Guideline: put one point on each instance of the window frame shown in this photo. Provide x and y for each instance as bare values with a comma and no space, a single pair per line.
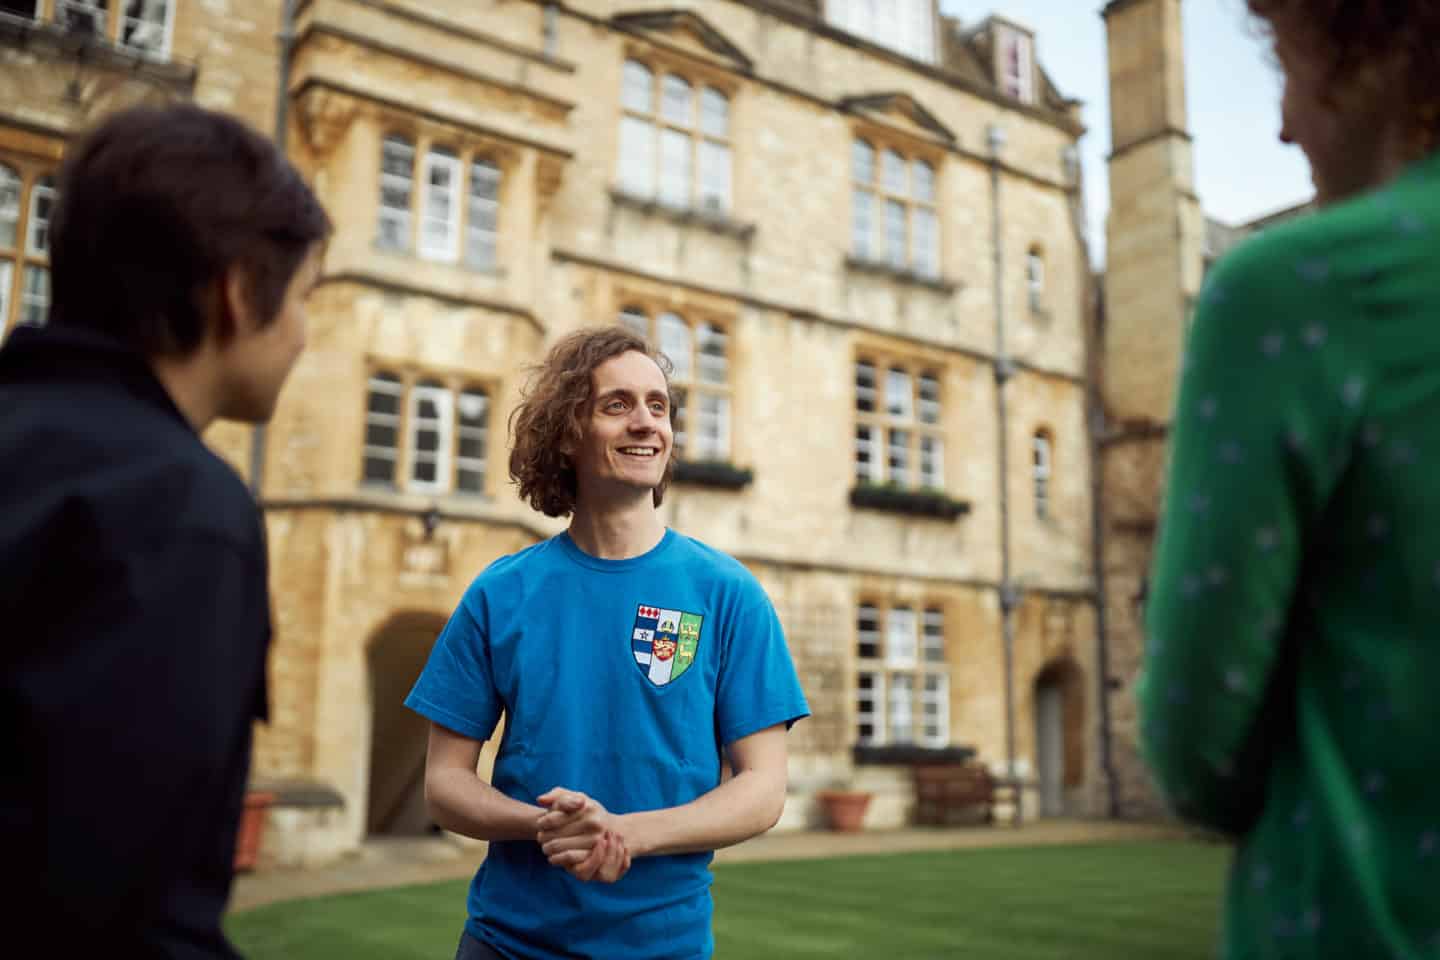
411,385
651,187
465,162
443,424
1035,276
1042,443
110,22
1019,82
394,385
28,261
29,301
867,19
479,466
922,256
922,419
35,15
405,218
101,24
878,705
489,233
168,28
440,157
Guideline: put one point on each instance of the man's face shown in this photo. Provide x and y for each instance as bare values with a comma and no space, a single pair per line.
258,359
627,436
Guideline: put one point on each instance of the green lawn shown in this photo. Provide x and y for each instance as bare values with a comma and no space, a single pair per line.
1131,901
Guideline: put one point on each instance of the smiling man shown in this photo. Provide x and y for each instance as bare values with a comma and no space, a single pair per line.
626,659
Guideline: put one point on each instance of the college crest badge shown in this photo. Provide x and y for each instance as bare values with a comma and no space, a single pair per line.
664,642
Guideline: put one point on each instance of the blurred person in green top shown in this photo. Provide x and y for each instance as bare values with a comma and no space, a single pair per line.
1290,696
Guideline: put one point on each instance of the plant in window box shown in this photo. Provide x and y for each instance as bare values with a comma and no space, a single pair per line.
923,501
713,473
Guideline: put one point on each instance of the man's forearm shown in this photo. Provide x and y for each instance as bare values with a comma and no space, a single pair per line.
462,803
743,807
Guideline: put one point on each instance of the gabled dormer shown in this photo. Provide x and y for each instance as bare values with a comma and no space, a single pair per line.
899,112
1007,50
687,31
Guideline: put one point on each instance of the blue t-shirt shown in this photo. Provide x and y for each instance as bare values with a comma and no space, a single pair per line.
622,679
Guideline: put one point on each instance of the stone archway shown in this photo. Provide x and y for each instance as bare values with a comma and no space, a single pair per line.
398,735
1059,707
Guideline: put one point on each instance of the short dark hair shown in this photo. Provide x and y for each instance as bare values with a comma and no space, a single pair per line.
154,205
551,411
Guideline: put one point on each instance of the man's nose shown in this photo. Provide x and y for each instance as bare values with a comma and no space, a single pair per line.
643,420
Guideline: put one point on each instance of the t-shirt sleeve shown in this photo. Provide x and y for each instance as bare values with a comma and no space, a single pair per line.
758,687
457,687
1261,433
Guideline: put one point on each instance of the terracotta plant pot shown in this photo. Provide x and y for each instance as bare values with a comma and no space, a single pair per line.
252,829
844,809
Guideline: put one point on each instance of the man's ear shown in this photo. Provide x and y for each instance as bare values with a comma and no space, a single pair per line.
237,303
213,304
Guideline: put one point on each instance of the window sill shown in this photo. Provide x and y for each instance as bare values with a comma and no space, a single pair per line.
713,473
497,272
684,216
899,274
54,38
911,755
922,503
431,497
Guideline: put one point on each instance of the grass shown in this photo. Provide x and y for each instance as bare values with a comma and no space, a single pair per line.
1132,901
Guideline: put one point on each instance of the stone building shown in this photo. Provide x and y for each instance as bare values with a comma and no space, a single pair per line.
859,241
857,230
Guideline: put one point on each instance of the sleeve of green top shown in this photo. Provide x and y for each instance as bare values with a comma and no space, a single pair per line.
1259,438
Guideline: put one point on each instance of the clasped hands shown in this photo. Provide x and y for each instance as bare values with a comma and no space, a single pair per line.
577,834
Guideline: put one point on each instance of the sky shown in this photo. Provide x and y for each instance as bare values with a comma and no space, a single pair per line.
1232,89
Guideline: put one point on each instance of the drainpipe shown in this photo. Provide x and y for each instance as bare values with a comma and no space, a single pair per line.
286,38
1093,311
1096,420
1004,370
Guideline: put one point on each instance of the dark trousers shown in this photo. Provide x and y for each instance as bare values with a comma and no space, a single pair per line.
472,949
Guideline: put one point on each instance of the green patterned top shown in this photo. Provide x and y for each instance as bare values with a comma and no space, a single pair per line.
1291,691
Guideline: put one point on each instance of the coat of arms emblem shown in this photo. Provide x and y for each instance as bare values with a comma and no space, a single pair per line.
664,642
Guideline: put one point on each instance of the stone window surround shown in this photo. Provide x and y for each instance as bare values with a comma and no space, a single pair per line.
411,376
1042,469
920,667
912,150
117,17
699,74
653,306
469,149
1035,277
881,422
22,259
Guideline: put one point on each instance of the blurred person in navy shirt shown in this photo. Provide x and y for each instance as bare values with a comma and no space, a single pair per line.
133,587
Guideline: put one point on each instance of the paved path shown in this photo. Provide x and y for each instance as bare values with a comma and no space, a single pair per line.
395,863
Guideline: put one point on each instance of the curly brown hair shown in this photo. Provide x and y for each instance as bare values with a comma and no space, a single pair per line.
1350,34
550,416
